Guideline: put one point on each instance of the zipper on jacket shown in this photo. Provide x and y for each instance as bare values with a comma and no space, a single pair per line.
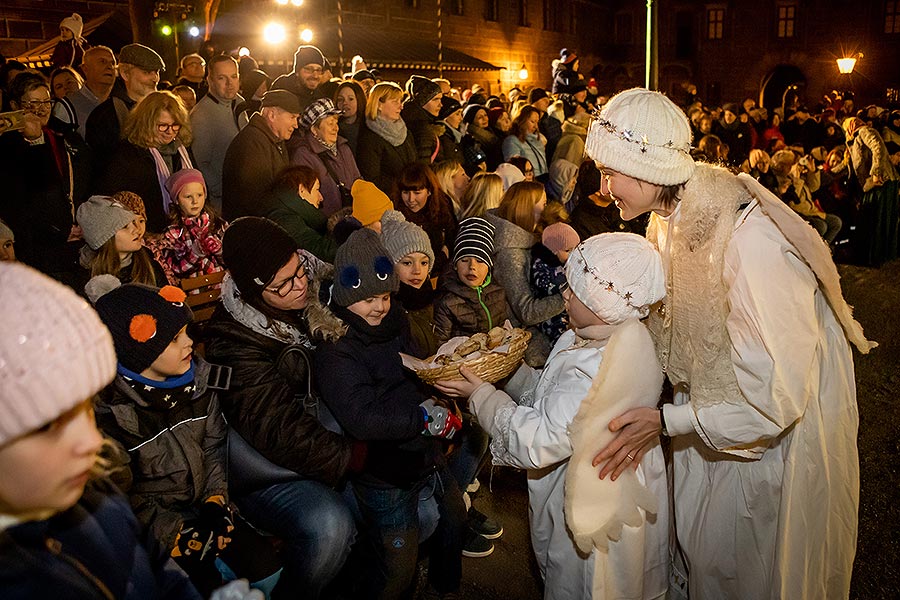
55,548
487,280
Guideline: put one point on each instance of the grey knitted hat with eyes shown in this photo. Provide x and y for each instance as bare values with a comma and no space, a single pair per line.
400,237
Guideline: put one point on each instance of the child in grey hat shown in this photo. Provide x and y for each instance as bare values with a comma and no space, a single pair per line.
373,398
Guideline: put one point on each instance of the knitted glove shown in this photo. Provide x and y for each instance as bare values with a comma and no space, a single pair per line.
193,545
439,421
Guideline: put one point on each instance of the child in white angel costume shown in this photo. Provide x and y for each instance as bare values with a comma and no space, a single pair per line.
593,538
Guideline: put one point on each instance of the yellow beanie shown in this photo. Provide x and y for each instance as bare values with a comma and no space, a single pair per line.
369,202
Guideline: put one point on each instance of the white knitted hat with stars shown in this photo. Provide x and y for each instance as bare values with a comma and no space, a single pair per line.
616,275
642,134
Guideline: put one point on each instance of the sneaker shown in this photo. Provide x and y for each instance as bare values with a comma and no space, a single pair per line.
475,545
474,486
484,525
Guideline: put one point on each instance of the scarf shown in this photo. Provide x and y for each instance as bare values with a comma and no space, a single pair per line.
164,170
329,147
693,344
389,328
161,395
456,133
483,136
414,299
254,320
394,132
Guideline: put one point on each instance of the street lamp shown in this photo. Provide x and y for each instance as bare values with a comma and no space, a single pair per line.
523,73
306,35
847,64
274,33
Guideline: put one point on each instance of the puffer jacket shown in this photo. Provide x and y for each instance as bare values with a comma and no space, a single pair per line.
270,382
425,130
92,551
177,456
464,310
512,271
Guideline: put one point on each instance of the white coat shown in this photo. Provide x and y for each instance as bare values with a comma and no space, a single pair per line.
782,523
533,435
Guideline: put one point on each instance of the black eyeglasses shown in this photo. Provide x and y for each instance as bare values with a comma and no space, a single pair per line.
287,286
165,127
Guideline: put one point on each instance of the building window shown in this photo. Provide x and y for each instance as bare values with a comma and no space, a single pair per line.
892,17
523,13
715,23
623,28
411,3
786,17
457,7
551,16
492,10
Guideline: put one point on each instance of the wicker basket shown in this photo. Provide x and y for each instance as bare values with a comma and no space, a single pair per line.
490,367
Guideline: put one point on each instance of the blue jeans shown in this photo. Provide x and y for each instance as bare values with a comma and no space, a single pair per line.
390,517
317,528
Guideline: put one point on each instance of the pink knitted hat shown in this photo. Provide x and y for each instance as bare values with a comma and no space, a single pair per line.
54,351
179,179
559,236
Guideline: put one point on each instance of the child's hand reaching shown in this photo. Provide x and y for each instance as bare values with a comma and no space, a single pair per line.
460,388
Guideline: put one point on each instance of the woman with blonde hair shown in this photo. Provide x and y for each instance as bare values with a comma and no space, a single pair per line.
385,145
157,133
483,194
515,222
454,181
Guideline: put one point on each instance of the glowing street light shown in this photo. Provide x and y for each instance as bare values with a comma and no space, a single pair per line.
523,73
274,33
166,30
243,51
194,31
306,35
297,2
281,2
847,64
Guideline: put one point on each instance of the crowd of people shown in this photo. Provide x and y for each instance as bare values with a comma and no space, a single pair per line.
356,219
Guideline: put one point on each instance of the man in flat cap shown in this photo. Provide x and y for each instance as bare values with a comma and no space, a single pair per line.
257,154
139,68
304,80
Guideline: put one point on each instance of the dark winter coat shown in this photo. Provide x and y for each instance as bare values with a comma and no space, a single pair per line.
419,306
464,310
132,169
103,128
35,201
265,401
83,275
380,162
449,148
425,130
177,456
548,277
310,152
305,223
253,160
91,551
589,219
370,393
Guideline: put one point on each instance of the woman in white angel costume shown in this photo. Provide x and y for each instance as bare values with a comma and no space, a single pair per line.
754,335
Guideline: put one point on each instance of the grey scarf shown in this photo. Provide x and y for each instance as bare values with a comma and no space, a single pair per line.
394,132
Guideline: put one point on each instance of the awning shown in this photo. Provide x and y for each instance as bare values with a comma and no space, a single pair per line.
388,50
39,56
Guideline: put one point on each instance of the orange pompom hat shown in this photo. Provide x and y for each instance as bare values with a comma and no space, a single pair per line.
143,320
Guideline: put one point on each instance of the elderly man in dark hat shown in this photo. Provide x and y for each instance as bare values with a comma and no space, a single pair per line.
139,68
304,80
257,154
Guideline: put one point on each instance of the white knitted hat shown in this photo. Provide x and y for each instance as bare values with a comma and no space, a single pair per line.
74,23
642,134
54,351
616,275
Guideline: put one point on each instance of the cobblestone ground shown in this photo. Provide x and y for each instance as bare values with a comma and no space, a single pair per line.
510,572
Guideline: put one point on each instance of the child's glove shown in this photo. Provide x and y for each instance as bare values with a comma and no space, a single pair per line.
439,421
216,518
193,545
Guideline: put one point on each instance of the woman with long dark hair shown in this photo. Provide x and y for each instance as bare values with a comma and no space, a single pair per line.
422,202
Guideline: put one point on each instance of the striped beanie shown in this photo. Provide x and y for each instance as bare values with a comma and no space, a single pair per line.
475,238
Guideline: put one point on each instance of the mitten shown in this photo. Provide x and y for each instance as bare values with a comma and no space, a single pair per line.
439,421
193,545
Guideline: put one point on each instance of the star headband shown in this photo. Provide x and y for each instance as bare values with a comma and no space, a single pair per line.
635,138
609,286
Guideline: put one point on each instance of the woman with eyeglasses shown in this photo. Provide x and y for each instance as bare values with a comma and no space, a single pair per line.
264,330
157,134
38,180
